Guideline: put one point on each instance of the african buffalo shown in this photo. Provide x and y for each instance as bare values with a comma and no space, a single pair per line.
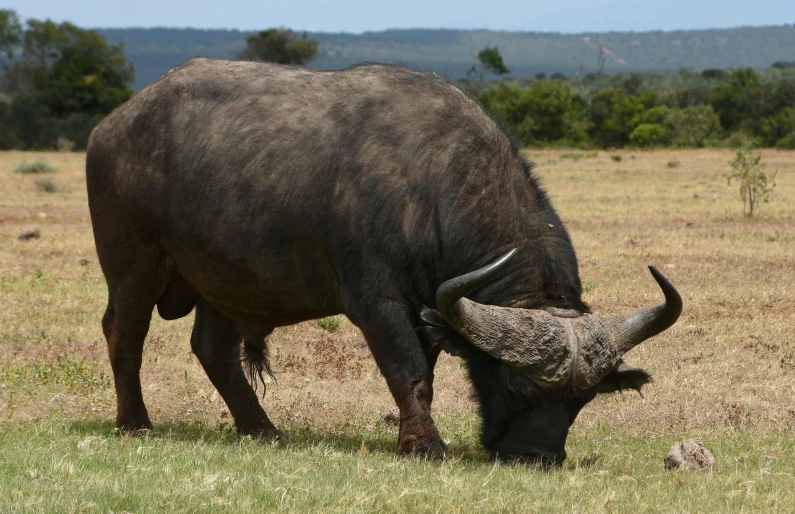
265,195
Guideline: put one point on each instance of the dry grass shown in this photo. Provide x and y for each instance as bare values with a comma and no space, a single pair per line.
728,365
730,360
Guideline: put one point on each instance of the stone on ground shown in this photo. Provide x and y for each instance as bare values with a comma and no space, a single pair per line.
690,454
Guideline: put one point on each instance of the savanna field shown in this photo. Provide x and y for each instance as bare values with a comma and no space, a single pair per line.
724,373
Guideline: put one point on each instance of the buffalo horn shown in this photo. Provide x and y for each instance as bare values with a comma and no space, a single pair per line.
629,330
552,346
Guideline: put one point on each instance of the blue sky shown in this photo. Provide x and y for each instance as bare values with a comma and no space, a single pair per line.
363,15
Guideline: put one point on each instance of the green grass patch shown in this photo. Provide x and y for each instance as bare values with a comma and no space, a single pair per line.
81,465
330,323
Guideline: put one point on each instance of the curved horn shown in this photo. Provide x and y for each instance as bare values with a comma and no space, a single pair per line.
456,288
629,330
552,347
528,339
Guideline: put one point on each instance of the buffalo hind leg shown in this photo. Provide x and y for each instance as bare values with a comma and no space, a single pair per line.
216,342
390,334
125,325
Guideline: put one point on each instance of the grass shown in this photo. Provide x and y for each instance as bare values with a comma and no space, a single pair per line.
724,373
81,466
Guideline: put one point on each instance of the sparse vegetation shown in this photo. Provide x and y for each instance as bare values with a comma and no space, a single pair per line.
34,167
615,158
47,185
755,184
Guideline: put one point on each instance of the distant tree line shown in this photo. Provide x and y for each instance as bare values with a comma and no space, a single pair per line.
58,81
714,108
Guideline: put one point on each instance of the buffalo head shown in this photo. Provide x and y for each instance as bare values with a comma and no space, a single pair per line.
534,370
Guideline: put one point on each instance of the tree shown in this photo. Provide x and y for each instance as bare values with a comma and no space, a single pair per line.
10,31
489,59
738,101
692,126
66,80
543,111
615,115
282,46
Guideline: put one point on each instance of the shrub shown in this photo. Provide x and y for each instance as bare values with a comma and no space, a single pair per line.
673,163
777,126
330,323
65,145
34,167
647,134
755,184
616,158
47,185
692,126
543,111
787,142
740,139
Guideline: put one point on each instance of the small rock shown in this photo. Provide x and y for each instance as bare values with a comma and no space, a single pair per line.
29,233
391,418
83,262
690,454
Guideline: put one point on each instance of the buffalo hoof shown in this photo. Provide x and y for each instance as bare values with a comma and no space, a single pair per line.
430,447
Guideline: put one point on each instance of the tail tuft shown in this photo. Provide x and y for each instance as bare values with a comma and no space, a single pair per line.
255,361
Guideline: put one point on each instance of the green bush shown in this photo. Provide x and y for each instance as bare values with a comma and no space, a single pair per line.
34,167
740,139
330,323
787,142
541,112
692,126
755,184
647,134
775,127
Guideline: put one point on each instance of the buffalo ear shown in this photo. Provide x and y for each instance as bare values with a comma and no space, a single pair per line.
623,377
439,335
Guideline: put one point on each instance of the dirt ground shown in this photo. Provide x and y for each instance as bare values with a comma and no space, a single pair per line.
728,363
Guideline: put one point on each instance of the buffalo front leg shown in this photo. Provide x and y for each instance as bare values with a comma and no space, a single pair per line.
216,342
390,334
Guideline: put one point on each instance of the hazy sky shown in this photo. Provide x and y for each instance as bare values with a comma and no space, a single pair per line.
363,15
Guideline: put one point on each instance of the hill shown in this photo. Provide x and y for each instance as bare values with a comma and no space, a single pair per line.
155,51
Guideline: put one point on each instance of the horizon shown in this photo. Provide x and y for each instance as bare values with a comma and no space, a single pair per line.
452,29
359,16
